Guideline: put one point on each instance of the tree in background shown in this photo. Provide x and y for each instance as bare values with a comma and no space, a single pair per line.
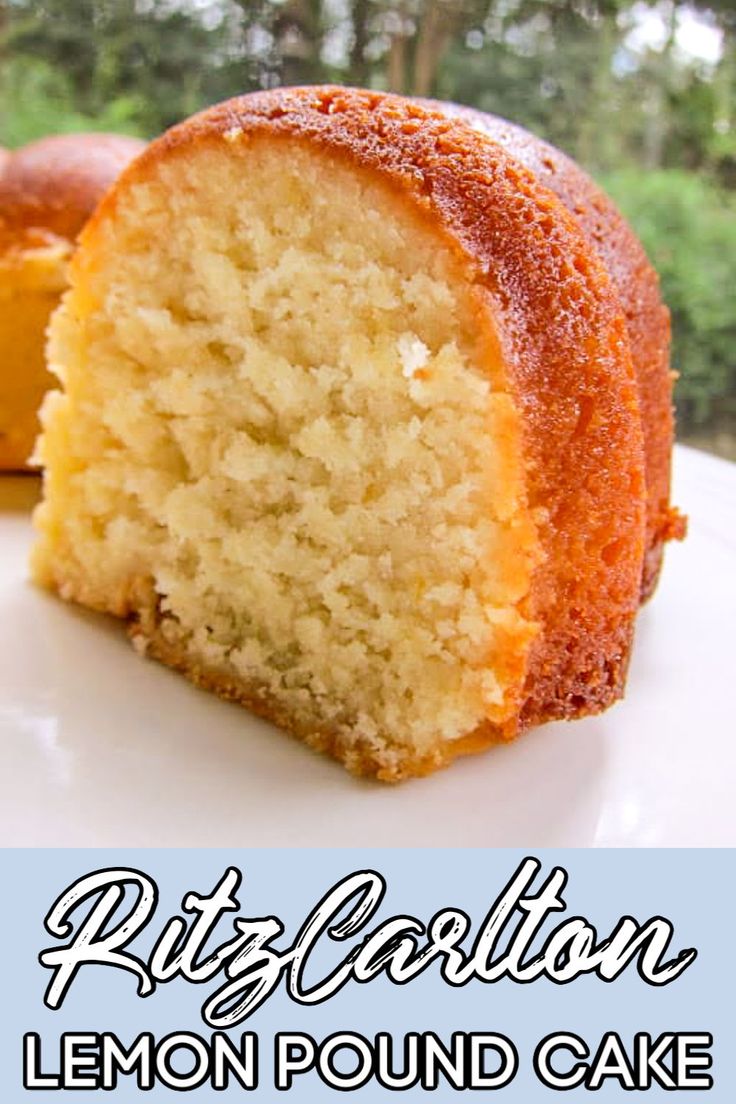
610,81
150,58
565,68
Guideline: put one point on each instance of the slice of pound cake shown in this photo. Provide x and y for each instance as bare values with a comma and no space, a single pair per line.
350,430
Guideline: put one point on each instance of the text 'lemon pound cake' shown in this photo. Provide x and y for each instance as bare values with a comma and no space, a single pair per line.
48,190
350,430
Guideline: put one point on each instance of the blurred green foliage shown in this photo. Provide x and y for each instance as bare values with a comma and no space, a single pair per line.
45,103
641,92
688,227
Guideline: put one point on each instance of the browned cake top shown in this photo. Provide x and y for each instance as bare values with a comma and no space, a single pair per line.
646,315
54,184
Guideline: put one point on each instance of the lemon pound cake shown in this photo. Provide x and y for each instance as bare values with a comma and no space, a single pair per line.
48,189
349,429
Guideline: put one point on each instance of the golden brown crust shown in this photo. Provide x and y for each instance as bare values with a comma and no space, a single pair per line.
55,184
565,346
647,317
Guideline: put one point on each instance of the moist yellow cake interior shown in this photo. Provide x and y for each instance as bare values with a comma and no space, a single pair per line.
285,449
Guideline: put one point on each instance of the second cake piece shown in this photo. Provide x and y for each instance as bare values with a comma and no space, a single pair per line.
48,190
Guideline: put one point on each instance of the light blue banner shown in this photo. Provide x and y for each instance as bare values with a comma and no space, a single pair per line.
418,964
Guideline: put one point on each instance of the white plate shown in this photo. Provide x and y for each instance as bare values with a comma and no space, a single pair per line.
99,747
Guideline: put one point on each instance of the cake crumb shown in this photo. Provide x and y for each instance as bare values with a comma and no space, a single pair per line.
140,644
413,354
